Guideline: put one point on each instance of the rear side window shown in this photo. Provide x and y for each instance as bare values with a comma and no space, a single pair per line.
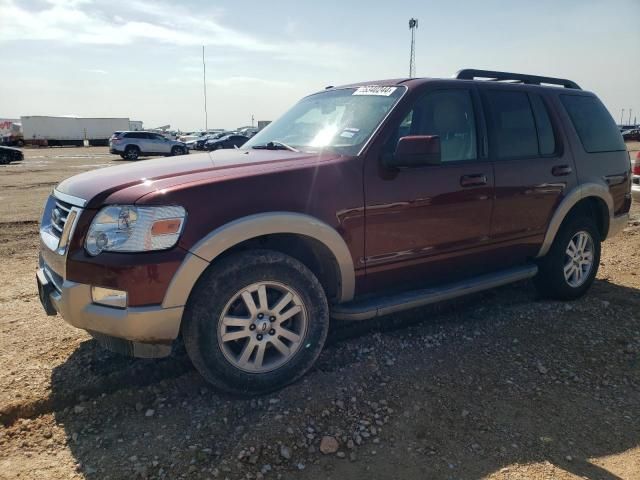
513,126
593,123
546,139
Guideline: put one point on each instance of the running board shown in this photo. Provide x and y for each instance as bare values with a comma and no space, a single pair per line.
379,306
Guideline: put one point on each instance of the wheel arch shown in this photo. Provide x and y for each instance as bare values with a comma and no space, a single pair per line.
592,198
310,240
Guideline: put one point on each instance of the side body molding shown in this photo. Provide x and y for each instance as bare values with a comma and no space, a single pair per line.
574,196
252,226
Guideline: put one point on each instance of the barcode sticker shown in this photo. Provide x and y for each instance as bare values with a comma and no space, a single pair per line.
375,90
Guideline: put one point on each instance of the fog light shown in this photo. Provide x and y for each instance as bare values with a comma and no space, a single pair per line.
109,297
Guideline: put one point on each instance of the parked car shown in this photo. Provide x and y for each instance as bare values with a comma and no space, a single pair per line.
631,135
201,142
187,137
228,141
635,178
360,201
248,131
132,145
8,155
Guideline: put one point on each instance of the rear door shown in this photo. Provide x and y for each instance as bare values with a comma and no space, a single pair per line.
158,144
533,168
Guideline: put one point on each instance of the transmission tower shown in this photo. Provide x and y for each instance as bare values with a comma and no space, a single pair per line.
413,24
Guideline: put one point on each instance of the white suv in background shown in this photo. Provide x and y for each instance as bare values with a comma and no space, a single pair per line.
132,145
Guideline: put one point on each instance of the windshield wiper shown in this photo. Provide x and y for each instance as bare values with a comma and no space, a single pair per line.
275,145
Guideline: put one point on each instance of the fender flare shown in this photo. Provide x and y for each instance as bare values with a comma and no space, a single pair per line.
225,237
570,200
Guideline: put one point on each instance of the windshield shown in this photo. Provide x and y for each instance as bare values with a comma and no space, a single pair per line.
340,119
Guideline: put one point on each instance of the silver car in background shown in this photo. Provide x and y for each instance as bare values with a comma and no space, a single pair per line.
132,145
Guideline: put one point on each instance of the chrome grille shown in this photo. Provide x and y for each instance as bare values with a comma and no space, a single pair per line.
59,216
58,222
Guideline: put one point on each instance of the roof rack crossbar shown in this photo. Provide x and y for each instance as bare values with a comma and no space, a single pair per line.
472,74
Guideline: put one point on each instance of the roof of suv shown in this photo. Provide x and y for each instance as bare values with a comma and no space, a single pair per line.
477,75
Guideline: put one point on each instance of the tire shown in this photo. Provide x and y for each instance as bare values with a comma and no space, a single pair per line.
551,281
20,143
122,156
175,151
219,293
131,152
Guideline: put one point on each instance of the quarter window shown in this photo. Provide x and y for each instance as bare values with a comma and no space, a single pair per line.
593,123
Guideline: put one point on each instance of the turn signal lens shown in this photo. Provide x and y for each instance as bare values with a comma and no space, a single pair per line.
169,226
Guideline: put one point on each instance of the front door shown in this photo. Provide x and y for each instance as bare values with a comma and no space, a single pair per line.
429,224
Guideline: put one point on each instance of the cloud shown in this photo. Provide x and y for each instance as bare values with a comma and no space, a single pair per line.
103,23
228,82
96,70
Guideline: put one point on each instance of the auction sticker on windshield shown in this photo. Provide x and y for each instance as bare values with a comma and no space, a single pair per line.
375,90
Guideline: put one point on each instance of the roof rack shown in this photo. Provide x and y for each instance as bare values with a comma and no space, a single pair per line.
472,74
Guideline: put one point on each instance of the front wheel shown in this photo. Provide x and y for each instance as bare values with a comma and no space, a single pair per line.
571,265
255,322
175,151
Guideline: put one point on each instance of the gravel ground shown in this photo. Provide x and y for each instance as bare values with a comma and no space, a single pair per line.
500,385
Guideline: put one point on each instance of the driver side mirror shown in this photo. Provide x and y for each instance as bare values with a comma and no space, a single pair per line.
417,151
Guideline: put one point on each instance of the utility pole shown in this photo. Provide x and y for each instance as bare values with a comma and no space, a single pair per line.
252,119
621,115
630,110
204,81
413,25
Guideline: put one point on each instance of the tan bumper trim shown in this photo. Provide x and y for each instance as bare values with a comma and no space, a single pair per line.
152,324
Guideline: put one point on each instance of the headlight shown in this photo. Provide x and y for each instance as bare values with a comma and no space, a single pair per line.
127,228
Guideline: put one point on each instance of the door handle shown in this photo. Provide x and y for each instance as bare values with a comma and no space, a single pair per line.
474,180
561,170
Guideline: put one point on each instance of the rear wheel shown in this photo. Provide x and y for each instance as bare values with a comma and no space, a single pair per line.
571,265
131,152
255,322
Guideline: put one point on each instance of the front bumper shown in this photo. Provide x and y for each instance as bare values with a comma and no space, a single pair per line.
147,331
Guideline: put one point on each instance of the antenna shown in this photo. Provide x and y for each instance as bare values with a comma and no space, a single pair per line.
413,24
204,81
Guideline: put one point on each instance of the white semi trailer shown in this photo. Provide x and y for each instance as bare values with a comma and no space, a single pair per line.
59,131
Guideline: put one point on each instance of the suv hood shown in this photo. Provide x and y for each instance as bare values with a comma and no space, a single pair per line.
128,183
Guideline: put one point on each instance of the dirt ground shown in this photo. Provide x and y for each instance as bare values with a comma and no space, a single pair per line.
501,385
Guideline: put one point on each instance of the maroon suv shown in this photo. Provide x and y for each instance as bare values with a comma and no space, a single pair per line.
360,201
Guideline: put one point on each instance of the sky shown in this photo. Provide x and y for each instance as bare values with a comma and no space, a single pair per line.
142,59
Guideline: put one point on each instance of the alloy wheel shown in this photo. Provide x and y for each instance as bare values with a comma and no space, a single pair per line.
262,327
579,257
